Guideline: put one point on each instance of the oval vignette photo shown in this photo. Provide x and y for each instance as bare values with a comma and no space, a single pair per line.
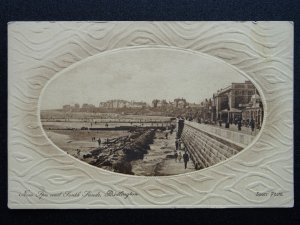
151,111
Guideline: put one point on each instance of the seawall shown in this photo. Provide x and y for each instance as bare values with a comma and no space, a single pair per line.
209,145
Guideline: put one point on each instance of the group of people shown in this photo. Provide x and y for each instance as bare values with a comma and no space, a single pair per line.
247,123
178,144
178,155
169,131
98,140
239,123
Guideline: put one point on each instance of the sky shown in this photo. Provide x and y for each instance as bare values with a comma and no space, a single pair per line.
140,75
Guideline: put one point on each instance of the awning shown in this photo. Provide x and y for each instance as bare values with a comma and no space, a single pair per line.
232,110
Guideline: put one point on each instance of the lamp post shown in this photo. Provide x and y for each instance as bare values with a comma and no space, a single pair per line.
210,113
228,111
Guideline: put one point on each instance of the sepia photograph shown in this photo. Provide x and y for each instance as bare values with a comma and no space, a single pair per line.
151,112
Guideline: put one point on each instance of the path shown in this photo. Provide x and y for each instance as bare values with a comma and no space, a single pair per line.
232,127
159,161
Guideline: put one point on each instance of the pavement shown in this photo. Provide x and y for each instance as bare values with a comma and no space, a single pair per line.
232,127
160,161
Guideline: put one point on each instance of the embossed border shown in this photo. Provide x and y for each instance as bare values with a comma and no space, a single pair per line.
153,192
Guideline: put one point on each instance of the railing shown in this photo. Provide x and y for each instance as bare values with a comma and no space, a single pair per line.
237,138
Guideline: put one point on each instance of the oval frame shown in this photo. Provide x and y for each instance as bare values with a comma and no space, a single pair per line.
114,51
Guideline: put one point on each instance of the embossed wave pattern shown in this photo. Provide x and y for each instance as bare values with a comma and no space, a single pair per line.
37,51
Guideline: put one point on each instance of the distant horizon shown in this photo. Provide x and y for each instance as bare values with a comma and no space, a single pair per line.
148,103
139,100
140,75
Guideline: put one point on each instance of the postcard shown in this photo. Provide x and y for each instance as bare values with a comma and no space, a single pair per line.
150,114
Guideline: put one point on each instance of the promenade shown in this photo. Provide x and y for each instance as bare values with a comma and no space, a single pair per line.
160,161
232,127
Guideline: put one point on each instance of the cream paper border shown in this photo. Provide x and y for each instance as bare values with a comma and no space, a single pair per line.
263,51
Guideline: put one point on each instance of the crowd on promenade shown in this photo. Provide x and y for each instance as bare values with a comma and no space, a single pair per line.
249,126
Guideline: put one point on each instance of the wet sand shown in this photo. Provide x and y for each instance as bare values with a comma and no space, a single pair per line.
70,141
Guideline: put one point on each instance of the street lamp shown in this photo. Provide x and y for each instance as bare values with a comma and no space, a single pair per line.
228,111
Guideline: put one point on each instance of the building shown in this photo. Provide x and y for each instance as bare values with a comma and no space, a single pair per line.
138,104
206,111
194,105
180,103
160,103
76,107
67,108
87,107
230,101
254,110
119,103
114,104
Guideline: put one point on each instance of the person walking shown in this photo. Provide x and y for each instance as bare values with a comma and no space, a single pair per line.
239,125
220,123
176,144
252,124
179,157
175,156
186,158
235,121
99,141
167,135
